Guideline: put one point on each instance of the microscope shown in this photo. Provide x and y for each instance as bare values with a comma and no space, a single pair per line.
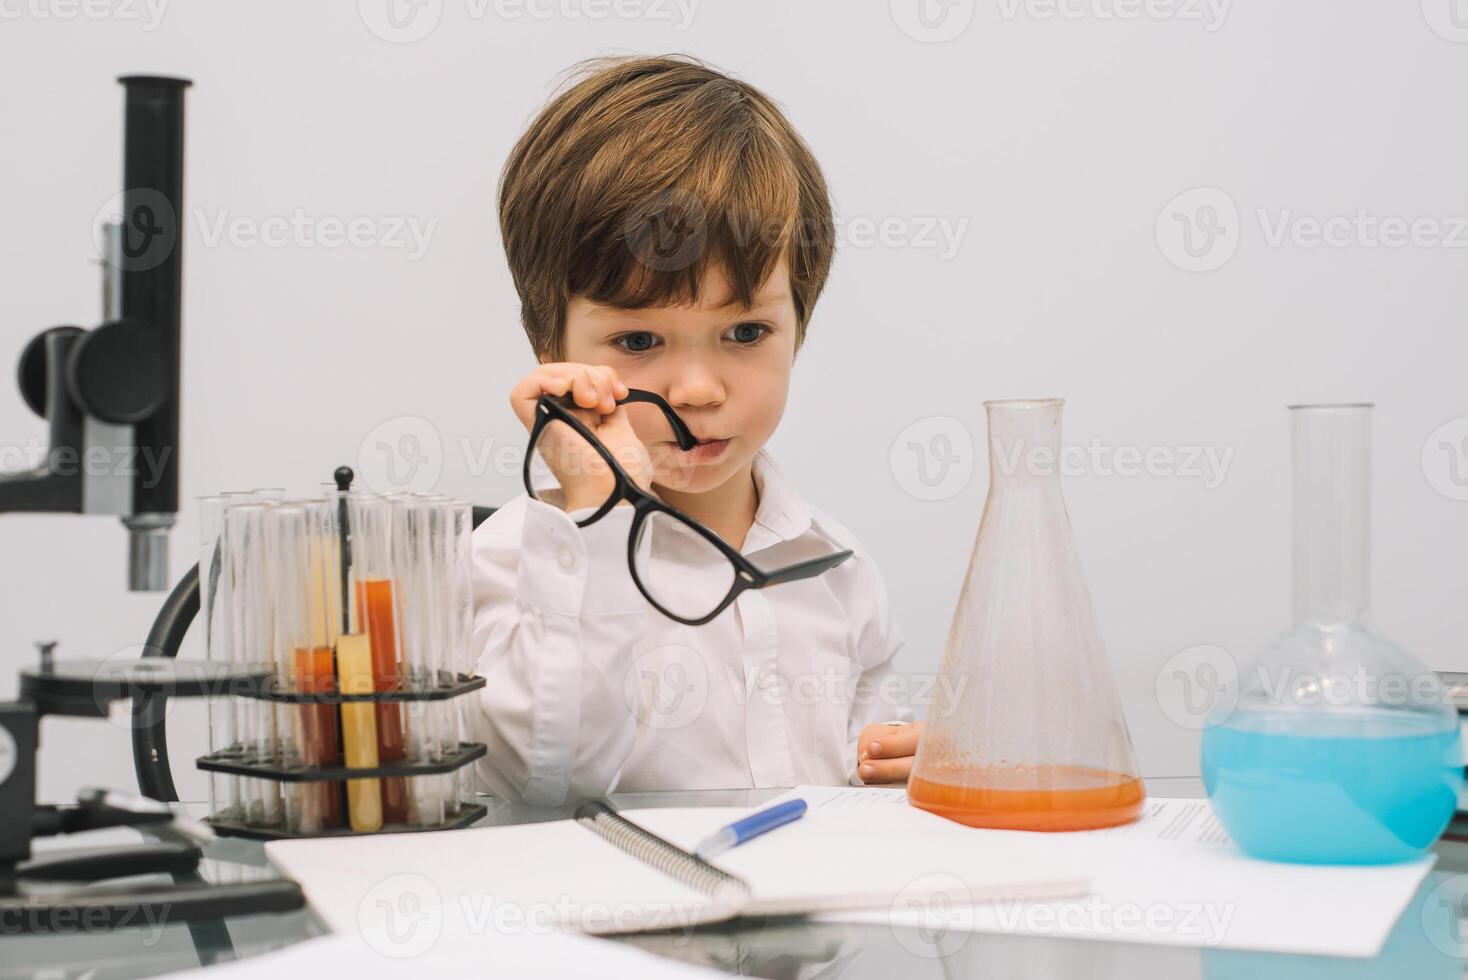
110,395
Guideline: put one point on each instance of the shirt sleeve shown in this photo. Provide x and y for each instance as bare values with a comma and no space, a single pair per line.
880,691
556,620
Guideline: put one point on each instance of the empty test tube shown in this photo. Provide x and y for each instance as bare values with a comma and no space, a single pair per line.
225,802
413,555
459,525
248,628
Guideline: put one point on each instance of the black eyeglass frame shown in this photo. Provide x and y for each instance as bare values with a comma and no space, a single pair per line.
747,575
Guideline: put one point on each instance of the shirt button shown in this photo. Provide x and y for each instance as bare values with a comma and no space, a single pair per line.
567,559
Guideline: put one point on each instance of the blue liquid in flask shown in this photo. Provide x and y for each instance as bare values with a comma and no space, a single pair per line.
1358,788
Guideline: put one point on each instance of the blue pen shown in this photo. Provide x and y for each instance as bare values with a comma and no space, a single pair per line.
751,826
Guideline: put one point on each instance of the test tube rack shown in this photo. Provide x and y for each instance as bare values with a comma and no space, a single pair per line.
236,760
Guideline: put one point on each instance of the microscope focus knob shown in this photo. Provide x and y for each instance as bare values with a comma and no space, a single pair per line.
32,371
119,372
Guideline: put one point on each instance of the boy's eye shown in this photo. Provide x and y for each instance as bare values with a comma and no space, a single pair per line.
636,343
749,333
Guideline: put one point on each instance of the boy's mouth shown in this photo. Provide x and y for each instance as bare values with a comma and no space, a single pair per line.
706,450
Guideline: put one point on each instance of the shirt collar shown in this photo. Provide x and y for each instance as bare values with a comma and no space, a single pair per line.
782,514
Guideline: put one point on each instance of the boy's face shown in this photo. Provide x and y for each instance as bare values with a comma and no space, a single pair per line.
725,371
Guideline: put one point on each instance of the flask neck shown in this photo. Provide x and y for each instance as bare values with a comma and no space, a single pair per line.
1024,444
1331,449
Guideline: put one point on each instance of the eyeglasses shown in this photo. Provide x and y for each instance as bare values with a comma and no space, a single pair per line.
684,569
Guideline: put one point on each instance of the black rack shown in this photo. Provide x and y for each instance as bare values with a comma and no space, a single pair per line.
236,759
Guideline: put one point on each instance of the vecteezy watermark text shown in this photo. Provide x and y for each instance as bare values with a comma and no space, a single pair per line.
300,229
148,12
1201,229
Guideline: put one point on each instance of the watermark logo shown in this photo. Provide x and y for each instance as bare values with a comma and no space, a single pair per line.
401,454
1443,912
1198,230
1203,686
1197,684
667,687
933,458
932,21
933,916
400,21
135,230
1445,458
401,916
128,670
667,230
1448,19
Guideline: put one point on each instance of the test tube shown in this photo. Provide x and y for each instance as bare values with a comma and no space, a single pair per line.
418,628
224,788
304,565
440,612
374,593
354,672
460,532
248,629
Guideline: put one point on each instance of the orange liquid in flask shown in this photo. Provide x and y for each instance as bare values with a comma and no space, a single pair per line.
1048,798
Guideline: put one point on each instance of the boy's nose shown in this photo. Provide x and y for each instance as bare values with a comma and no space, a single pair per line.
695,389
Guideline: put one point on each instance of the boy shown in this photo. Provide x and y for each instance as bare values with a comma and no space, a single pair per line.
668,230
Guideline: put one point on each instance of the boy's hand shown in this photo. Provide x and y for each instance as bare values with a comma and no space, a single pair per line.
884,753
580,470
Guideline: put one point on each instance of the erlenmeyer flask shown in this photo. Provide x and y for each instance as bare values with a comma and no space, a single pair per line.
1338,747
1027,732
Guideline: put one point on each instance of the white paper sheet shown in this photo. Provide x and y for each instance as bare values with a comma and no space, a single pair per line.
560,874
1174,877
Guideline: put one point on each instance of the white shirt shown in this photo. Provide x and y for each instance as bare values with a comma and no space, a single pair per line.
590,690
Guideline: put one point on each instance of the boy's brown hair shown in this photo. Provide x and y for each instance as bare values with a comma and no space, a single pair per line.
631,183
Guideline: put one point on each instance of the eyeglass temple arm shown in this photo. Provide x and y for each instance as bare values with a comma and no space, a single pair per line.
806,569
680,430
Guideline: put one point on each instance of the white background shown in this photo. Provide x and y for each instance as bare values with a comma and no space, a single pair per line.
1055,143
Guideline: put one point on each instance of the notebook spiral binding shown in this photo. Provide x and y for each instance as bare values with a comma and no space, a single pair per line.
657,852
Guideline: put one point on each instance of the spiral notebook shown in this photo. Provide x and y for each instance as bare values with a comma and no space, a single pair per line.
606,872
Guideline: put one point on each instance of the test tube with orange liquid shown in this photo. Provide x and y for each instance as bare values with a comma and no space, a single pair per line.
305,555
374,593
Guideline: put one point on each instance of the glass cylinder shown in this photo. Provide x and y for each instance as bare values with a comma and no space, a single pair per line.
462,532
375,594
305,566
1336,746
1027,731
249,630
417,550
225,800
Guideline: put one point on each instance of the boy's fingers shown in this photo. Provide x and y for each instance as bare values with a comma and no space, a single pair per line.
885,770
891,742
